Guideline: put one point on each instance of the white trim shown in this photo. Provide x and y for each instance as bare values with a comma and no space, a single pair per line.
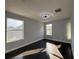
22,45
33,42
60,41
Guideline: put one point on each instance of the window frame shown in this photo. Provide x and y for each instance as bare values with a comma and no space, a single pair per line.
49,29
68,30
13,30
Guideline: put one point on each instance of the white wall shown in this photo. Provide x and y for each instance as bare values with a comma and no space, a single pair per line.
33,31
59,30
72,29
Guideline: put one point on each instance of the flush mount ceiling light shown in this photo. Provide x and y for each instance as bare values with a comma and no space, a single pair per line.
46,15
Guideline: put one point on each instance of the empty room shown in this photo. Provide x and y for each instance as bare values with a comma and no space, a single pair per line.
39,29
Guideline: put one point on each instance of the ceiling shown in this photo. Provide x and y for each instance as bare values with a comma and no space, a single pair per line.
33,8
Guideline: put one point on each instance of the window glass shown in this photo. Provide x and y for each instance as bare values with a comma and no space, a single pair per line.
68,30
48,29
15,30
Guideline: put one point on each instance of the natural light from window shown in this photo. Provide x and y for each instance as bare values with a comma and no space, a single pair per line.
68,30
15,30
53,51
48,29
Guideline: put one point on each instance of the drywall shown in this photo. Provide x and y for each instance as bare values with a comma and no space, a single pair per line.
72,29
33,31
58,30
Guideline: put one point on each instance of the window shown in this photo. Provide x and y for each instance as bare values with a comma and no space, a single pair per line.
15,30
69,30
48,29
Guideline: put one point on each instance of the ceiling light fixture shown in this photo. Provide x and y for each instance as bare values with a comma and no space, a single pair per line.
46,15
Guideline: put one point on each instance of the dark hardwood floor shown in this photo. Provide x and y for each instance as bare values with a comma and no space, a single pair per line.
36,51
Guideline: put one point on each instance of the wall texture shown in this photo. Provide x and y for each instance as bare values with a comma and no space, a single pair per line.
72,28
33,31
58,30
